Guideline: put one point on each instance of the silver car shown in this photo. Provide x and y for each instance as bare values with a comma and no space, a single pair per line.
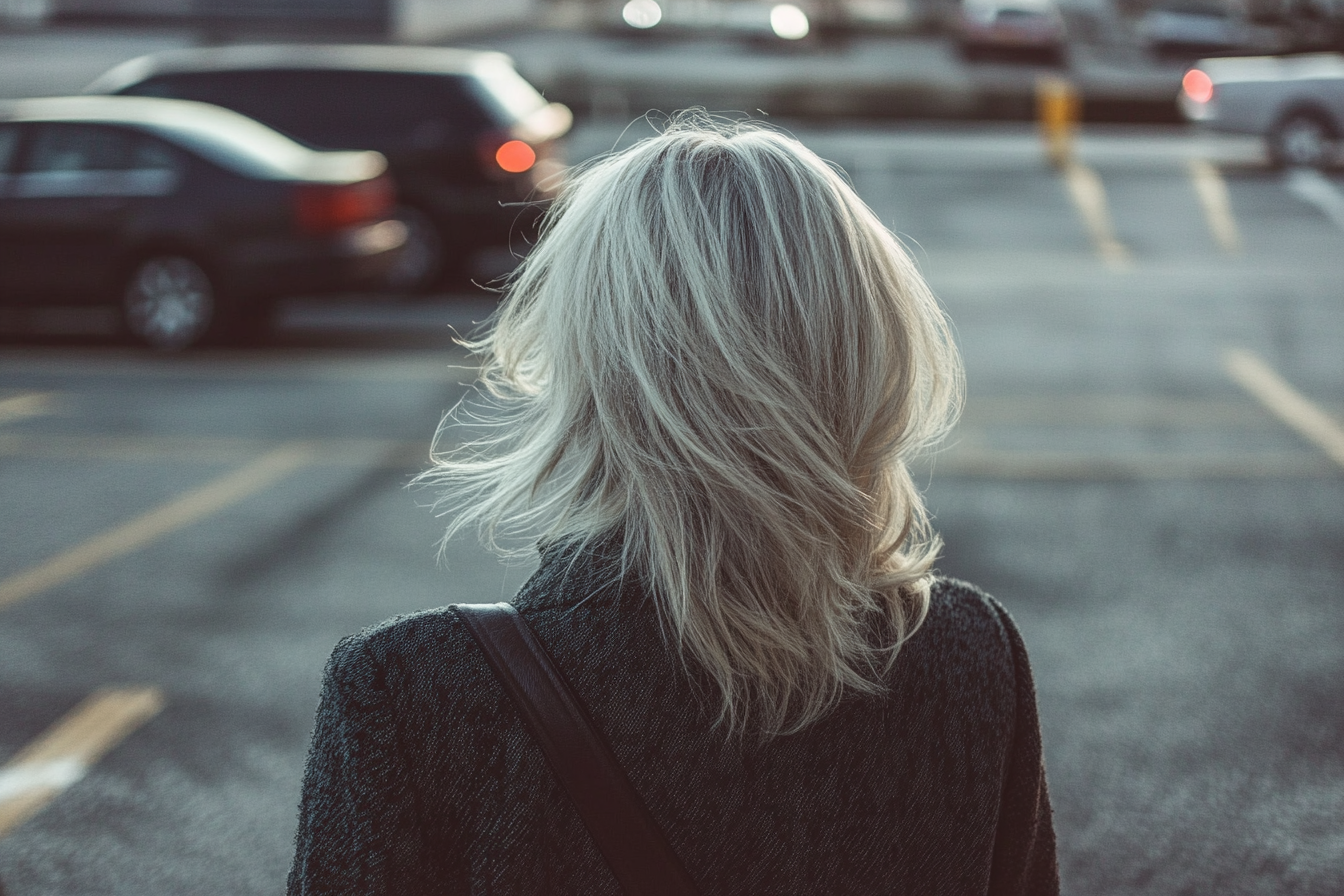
1295,102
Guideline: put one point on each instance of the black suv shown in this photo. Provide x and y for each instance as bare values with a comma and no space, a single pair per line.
468,141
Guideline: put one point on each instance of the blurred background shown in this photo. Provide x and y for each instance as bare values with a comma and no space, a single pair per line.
238,239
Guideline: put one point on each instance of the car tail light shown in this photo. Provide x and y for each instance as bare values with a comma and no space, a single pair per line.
326,208
515,157
1198,86
503,155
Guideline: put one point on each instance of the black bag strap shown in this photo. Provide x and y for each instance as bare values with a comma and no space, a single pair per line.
626,834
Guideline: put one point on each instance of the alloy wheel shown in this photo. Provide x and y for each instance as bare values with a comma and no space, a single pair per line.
169,302
1303,141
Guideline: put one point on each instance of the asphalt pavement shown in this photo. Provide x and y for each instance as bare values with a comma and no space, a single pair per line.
1149,474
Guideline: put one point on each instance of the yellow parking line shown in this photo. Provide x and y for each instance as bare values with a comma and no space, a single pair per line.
1213,196
149,527
1285,402
1089,195
29,404
207,449
64,753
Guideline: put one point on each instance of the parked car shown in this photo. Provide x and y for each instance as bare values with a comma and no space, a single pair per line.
1193,27
1295,102
192,218
467,139
1018,27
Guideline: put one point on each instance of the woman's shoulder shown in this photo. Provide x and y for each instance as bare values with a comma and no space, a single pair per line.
395,649
968,607
967,629
432,649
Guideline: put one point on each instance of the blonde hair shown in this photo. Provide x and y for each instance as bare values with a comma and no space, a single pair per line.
718,351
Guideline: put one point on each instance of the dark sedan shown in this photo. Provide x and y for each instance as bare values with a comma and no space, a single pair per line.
194,219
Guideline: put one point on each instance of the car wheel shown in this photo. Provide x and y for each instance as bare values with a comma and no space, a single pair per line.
1302,140
421,262
170,302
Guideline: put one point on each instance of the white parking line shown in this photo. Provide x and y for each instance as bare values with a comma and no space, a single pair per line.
1213,196
1312,187
150,527
27,404
65,752
1285,402
1089,195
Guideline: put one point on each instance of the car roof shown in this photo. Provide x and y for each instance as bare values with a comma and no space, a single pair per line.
317,57
115,110
221,135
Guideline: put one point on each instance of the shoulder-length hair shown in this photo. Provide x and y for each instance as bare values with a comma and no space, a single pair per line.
718,351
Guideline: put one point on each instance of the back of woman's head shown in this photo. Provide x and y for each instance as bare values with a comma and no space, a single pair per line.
717,351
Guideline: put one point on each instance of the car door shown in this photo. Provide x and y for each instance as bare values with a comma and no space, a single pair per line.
67,201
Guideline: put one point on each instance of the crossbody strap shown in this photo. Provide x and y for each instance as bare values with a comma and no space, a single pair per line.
626,834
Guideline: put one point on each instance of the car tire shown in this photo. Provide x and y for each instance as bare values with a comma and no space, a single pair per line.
423,259
1302,139
170,302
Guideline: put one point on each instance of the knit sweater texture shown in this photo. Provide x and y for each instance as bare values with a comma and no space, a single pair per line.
422,778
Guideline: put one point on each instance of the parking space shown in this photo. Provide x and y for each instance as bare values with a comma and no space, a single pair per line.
1147,474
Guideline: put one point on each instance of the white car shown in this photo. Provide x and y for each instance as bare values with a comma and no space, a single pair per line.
1295,102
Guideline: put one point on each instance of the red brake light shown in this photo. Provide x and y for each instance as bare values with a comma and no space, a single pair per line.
1197,85
325,208
515,157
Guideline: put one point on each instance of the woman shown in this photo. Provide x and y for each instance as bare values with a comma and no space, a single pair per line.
707,379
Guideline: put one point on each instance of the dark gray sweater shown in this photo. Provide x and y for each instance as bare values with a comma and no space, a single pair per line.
422,778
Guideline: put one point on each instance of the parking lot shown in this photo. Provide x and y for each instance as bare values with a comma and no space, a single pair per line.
1149,474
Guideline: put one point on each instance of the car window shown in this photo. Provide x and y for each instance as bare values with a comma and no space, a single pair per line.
389,111
78,160
9,144
79,147
153,155
155,169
